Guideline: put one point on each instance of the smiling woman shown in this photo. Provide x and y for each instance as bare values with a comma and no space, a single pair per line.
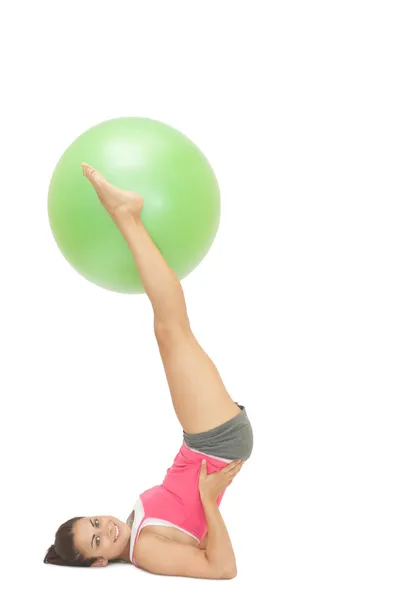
90,542
166,532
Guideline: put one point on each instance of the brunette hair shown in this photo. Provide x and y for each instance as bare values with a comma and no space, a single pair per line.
63,551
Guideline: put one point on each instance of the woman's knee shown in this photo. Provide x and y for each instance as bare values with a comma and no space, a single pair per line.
168,332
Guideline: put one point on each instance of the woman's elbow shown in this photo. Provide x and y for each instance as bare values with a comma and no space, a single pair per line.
229,573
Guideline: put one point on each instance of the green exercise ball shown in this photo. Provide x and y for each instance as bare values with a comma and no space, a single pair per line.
181,200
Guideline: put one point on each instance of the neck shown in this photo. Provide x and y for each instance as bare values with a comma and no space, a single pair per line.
125,554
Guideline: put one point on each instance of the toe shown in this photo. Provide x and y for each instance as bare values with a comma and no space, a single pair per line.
85,169
92,174
88,169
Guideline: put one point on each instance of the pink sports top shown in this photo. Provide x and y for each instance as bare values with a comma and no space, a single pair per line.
176,502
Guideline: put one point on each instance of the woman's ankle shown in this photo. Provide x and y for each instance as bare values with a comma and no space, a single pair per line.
123,216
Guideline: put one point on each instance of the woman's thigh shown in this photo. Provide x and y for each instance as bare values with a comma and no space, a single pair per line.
200,399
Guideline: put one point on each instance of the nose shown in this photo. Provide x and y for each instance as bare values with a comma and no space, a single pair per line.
110,529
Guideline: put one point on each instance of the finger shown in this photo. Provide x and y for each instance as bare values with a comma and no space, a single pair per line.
237,469
232,473
231,465
203,468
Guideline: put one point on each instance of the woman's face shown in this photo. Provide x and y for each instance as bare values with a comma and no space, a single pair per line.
104,536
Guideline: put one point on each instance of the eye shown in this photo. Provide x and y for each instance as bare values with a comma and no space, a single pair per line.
96,522
97,542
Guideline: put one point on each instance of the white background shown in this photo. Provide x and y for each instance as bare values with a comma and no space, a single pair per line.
296,105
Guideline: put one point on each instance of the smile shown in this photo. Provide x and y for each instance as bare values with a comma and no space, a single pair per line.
116,533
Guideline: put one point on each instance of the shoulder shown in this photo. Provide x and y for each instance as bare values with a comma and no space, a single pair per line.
166,557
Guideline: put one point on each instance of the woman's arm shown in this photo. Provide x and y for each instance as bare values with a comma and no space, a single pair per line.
218,549
166,557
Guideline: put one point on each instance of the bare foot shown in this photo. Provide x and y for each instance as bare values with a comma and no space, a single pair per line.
116,201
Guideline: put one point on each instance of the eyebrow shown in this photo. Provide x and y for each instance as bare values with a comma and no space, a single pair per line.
94,535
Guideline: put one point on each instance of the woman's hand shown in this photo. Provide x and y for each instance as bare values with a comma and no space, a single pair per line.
211,486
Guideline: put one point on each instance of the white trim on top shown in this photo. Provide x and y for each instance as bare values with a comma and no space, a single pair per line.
139,514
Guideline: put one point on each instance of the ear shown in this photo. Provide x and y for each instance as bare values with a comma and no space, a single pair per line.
100,562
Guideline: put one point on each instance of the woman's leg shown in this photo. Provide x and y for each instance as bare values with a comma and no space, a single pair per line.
199,396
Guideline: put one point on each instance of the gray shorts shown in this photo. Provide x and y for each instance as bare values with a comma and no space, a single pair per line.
232,440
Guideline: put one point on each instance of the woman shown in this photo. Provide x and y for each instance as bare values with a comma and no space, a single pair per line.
175,528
